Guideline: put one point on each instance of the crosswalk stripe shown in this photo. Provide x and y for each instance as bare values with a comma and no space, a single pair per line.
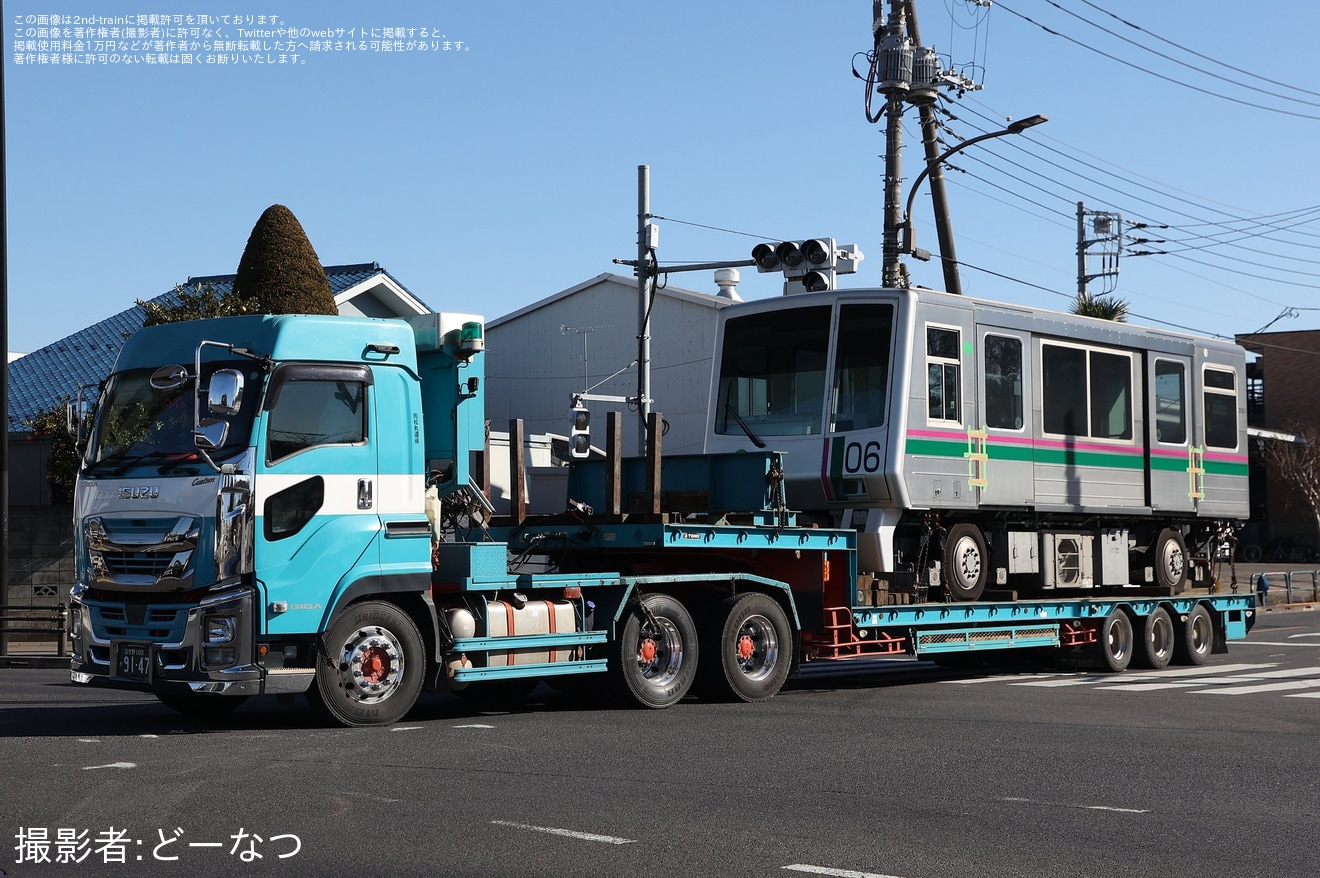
1265,687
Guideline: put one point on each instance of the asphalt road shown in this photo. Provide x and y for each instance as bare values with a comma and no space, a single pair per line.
893,769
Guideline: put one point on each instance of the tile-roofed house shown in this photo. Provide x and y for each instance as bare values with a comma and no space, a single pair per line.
39,379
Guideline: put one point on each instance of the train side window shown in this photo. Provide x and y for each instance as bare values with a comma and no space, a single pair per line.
1170,402
1221,425
1003,382
942,367
1111,395
1063,386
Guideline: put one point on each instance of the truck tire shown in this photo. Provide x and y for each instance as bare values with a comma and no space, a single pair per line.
966,566
1194,639
1155,640
200,704
1113,649
748,645
371,668
654,666
1168,556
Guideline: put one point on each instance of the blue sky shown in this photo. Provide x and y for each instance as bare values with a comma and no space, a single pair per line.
488,176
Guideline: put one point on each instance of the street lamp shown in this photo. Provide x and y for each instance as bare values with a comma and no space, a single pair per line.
1013,128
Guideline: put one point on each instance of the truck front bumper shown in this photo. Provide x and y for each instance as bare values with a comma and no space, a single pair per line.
156,645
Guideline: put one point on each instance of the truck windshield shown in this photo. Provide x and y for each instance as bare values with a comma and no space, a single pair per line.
137,424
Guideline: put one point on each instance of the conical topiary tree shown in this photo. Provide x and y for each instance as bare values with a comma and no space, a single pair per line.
280,271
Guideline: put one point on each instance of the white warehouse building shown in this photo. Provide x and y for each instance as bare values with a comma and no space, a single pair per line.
539,356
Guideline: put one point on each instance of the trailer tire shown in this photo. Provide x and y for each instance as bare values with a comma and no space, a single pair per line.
1168,556
1114,646
1156,641
654,668
966,567
1195,638
200,704
748,645
371,667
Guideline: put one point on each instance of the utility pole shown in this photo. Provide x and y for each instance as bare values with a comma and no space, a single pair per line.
645,290
1101,250
893,57
923,93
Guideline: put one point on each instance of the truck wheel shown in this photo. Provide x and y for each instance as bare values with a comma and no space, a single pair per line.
1168,555
1195,639
966,566
372,666
748,647
200,704
1156,641
654,665
1114,648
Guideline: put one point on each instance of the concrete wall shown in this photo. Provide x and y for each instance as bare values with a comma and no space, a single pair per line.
40,555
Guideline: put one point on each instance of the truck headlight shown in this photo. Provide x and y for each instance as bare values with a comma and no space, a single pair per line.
220,629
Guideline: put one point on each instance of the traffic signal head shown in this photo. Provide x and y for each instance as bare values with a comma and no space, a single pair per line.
579,439
765,257
790,254
820,252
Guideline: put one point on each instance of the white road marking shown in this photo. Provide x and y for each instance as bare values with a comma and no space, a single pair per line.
1236,643
1001,678
1153,687
89,740
837,873
1074,805
1311,634
405,728
1054,684
1119,810
1267,687
475,726
568,833
148,736
111,765
1303,695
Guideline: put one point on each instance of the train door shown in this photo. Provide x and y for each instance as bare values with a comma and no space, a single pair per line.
857,443
1175,467
1001,460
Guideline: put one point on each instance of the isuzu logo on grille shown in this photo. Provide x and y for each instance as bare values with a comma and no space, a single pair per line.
140,492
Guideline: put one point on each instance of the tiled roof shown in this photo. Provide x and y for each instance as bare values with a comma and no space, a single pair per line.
38,380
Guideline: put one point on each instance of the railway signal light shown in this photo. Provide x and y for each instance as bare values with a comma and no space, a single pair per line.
808,266
579,439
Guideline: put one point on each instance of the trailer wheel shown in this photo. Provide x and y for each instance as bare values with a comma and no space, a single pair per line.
653,665
200,704
371,669
1156,641
748,647
1168,555
1114,648
1195,638
966,566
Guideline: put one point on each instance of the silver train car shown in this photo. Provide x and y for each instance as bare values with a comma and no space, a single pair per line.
975,443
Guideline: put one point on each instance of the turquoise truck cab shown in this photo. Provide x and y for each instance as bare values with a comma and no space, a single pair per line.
245,478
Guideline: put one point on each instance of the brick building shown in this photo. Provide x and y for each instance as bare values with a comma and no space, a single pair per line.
1283,396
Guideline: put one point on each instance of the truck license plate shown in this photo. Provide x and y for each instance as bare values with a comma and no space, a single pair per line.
134,660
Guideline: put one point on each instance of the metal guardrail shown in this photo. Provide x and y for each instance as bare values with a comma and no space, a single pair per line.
1297,586
52,621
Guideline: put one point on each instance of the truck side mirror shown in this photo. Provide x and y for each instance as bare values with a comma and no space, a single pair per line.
78,416
224,396
211,434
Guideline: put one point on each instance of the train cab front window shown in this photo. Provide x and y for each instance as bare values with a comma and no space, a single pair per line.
772,373
861,367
